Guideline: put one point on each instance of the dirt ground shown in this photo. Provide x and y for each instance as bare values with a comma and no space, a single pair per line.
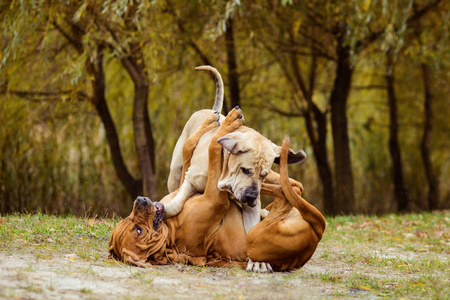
26,277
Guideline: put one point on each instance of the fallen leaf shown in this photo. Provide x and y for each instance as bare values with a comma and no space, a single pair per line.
410,223
438,234
421,234
366,288
417,284
71,256
409,235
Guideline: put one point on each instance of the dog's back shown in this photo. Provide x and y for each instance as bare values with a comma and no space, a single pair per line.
176,165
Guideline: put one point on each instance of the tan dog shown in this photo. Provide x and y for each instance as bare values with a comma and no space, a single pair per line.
248,160
209,229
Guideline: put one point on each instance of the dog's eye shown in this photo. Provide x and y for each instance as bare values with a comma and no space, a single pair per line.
246,171
138,230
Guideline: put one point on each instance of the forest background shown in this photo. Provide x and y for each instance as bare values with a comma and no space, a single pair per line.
94,94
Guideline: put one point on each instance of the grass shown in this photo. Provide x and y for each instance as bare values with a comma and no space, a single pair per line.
391,256
46,236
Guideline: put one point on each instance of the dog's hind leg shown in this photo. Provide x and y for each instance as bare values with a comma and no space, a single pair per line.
287,237
187,190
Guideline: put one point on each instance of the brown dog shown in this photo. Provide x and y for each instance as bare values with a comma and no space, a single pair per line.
209,229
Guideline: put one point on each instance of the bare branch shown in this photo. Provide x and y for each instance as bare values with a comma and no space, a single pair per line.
76,44
46,96
369,87
289,114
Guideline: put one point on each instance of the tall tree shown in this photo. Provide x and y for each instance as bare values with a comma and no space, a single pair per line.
430,173
92,28
339,123
296,40
337,34
93,21
433,181
400,192
233,75
315,121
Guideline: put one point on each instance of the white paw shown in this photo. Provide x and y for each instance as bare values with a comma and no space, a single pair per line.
258,267
264,213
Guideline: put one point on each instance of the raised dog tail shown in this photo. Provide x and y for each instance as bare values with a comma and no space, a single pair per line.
218,102
309,213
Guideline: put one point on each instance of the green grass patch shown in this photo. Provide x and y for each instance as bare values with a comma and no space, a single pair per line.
423,232
46,236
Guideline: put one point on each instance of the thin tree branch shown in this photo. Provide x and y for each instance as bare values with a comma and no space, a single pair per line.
370,87
46,96
289,114
77,45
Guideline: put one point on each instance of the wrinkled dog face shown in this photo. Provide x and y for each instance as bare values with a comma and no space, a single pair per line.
132,238
246,165
248,159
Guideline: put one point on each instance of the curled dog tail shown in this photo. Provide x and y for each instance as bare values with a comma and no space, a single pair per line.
218,102
309,213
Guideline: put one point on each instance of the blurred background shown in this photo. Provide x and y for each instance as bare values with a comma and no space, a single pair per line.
94,94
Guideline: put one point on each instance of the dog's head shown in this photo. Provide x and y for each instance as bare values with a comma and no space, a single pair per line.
248,159
140,235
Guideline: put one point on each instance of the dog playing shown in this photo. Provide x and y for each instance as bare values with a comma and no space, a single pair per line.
248,160
210,230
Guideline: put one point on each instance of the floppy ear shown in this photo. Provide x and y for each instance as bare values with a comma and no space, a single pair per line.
232,142
132,259
112,254
293,157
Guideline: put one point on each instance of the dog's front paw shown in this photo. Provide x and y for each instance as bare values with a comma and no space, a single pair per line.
233,120
258,267
212,121
296,185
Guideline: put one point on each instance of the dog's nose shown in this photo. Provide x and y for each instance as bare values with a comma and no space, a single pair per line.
250,198
144,201
252,202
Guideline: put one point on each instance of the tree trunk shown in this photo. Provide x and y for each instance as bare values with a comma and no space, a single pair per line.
338,100
233,76
140,139
400,192
321,157
318,140
433,181
143,138
133,186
